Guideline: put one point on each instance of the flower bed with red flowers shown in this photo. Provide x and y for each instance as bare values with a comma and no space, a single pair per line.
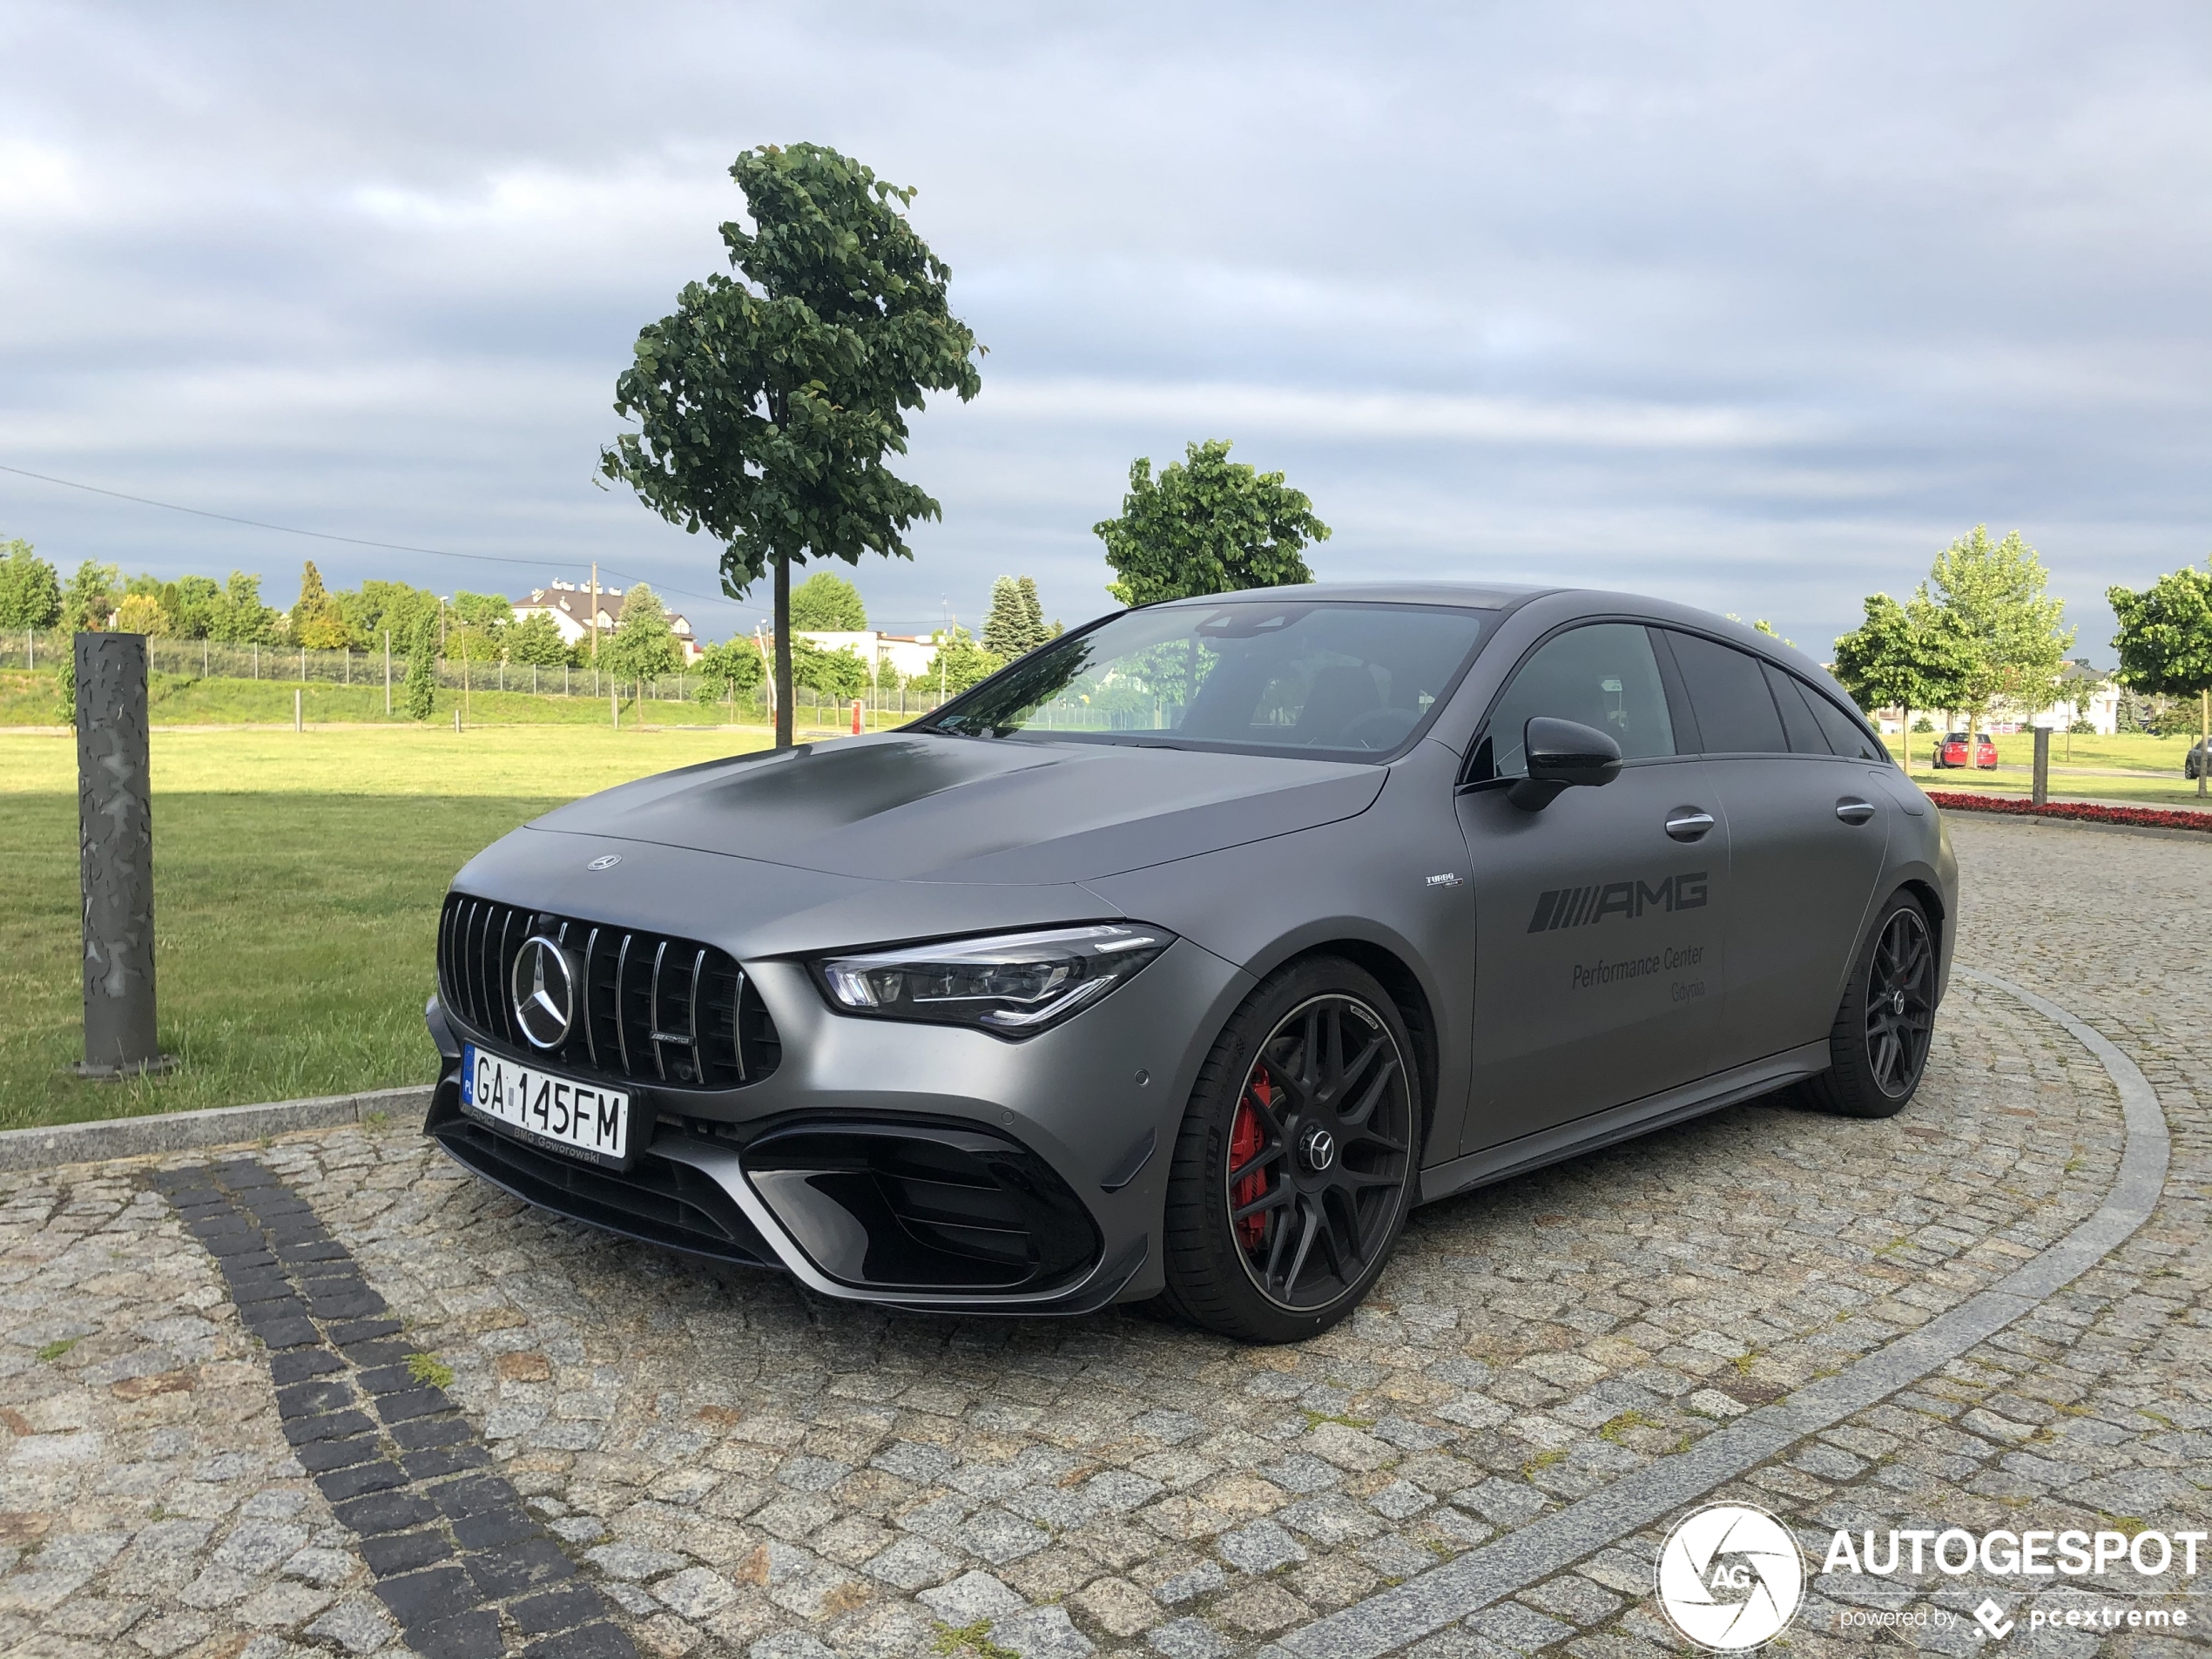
2140,817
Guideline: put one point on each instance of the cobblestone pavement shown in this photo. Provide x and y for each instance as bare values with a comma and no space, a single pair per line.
739,1467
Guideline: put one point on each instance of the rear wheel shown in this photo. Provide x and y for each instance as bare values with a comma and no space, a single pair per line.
1879,1046
1297,1158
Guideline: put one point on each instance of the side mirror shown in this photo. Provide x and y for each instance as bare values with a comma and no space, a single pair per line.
1563,754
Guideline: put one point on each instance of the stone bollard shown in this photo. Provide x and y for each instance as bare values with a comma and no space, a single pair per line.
115,844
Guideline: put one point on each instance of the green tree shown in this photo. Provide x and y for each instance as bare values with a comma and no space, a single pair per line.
377,607
147,585
141,613
767,403
1905,657
537,639
1033,613
728,671
959,663
89,598
826,604
1209,525
643,644
419,696
476,625
31,589
1996,590
238,617
198,598
2165,643
1015,624
837,674
316,621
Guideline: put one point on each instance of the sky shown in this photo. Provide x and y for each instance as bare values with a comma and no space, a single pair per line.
1751,306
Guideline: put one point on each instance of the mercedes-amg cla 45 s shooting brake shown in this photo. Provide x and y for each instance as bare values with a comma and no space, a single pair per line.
1185,956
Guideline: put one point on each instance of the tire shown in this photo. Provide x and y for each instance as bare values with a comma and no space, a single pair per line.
1879,1046
1327,1157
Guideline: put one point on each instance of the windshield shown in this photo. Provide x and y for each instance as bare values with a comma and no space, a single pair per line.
1267,677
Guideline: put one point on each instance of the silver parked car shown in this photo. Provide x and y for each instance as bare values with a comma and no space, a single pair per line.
1186,954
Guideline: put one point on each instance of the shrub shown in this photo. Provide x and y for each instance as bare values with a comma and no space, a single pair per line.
2083,811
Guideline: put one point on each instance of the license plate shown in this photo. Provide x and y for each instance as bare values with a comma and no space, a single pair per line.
581,1119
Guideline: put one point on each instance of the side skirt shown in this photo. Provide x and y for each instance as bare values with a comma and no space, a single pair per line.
1617,1123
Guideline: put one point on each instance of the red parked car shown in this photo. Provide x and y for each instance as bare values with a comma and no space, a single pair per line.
1952,752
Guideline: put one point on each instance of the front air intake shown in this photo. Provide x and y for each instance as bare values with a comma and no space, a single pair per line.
917,1207
656,1009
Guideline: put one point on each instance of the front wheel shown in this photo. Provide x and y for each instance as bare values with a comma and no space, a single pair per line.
1879,1046
1297,1159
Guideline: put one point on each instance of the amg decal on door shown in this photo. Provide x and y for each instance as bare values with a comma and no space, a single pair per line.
1581,906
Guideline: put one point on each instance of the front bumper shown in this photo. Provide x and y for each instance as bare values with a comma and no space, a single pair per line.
927,1167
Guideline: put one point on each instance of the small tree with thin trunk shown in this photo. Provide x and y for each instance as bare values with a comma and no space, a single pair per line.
1995,590
767,402
2165,644
419,696
1905,657
643,645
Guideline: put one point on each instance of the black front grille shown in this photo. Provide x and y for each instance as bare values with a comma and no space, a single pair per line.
657,1009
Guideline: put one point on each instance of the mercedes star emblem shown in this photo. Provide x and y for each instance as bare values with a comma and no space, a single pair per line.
544,984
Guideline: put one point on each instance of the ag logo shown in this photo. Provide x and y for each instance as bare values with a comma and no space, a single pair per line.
1730,1577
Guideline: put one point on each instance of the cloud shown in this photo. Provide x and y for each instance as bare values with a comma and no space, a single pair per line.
1756,306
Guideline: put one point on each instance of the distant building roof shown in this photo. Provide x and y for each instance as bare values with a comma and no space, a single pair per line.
571,601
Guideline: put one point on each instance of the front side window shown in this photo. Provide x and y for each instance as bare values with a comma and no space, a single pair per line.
1736,712
1334,679
1602,675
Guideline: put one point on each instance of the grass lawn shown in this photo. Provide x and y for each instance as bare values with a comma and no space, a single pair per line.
296,885
2131,767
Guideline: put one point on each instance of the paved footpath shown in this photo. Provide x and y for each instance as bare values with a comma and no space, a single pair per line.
329,1395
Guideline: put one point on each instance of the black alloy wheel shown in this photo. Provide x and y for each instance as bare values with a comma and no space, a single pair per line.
1297,1160
1879,1046
1900,1003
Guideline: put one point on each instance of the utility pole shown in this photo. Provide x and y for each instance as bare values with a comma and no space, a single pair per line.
388,672
595,613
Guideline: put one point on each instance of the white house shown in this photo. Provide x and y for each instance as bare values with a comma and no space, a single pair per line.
569,605
910,654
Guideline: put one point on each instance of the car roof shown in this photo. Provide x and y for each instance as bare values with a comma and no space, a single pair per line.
1485,596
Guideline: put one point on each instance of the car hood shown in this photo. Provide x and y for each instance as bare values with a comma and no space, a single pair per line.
918,807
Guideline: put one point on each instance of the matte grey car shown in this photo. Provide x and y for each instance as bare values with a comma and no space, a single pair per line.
1186,954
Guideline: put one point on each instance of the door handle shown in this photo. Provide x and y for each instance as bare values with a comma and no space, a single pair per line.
1854,811
1688,823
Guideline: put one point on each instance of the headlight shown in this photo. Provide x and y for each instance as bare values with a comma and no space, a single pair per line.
1012,984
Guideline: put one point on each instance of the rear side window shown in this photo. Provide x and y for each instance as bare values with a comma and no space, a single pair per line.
1603,675
1727,693
1846,736
1798,723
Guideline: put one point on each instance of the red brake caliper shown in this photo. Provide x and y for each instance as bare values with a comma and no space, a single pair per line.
1246,1140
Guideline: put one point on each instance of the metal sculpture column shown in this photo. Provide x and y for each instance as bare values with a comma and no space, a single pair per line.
115,842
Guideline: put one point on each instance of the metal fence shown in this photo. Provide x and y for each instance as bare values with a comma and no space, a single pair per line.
289,665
